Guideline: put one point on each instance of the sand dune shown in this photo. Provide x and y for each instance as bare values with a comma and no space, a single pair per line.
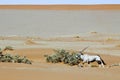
64,7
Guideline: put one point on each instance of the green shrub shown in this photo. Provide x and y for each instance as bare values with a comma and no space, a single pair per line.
63,56
72,60
15,59
6,58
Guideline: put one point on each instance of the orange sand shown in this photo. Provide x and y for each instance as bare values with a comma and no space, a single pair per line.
63,7
40,70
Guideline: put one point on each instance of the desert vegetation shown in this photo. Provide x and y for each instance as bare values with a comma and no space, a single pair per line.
64,57
8,48
12,58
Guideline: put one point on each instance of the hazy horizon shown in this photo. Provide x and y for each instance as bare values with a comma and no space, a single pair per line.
47,23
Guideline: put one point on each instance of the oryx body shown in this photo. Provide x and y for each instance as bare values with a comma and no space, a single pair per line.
86,58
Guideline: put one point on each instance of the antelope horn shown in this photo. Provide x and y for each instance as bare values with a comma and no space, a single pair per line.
84,49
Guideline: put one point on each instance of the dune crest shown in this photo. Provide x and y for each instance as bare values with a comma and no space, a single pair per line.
64,7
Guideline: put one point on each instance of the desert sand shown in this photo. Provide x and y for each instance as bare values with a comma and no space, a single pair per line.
35,49
33,39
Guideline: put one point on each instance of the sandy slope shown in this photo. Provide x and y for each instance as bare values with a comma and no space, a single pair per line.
40,70
55,71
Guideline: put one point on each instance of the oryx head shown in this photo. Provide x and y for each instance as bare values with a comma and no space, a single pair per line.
78,56
81,52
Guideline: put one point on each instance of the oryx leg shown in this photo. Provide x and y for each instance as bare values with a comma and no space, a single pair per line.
81,64
100,63
89,65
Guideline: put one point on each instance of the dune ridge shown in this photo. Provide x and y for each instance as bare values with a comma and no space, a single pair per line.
64,7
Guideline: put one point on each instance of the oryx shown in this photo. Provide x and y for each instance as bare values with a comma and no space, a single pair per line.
86,58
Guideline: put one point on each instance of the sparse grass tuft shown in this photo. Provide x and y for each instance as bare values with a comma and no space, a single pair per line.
94,66
77,36
8,48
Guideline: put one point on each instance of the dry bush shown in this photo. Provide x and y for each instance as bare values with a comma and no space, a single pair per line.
30,42
94,32
77,36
